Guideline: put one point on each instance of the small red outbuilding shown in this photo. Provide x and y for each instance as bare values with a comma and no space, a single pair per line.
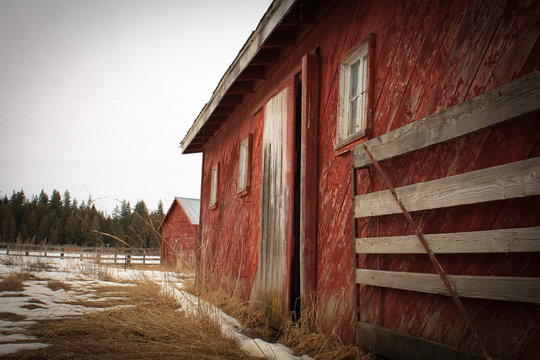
179,232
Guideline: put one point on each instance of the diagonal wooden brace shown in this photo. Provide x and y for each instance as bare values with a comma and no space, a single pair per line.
429,252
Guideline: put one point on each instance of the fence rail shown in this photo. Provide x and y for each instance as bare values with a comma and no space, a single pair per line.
100,255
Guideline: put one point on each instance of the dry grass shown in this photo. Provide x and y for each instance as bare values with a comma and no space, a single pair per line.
55,285
35,301
36,266
153,328
96,271
8,316
14,282
32,306
303,337
251,317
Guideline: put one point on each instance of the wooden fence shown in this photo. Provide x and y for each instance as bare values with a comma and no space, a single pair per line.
507,181
125,256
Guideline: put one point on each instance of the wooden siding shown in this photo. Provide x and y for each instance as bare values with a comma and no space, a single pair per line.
274,278
513,180
429,56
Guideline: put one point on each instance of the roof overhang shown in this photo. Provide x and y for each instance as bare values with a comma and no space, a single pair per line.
278,30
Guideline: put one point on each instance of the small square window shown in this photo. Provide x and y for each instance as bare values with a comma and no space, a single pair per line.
244,165
353,96
214,186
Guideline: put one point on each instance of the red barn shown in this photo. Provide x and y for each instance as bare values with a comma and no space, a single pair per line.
179,232
330,104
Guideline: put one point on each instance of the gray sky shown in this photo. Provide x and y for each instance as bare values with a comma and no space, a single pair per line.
96,95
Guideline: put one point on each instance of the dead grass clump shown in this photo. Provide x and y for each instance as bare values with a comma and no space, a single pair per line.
14,282
13,295
252,318
306,338
32,306
9,261
96,271
8,316
303,337
152,329
36,266
35,301
55,285
99,303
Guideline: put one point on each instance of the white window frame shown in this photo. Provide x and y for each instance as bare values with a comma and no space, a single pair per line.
244,166
214,177
353,125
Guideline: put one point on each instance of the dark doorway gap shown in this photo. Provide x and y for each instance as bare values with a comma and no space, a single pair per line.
294,305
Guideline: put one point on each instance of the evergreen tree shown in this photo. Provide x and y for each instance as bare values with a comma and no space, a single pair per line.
17,206
66,205
60,220
55,204
97,237
43,229
22,236
116,213
60,231
43,198
8,228
125,215
52,238
32,224
160,208
72,230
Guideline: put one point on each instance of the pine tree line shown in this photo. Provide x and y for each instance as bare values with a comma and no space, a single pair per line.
58,220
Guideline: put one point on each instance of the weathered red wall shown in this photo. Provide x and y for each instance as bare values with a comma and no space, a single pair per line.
178,238
230,232
429,55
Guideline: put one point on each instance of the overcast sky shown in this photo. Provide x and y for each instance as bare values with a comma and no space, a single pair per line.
96,95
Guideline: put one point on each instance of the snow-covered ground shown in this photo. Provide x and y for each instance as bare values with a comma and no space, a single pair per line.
37,301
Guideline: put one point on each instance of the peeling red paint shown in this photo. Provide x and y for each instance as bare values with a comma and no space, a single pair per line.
428,56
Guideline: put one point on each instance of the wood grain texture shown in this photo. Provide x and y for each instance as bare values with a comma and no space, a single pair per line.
275,206
490,241
520,289
514,180
308,180
498,105
400,346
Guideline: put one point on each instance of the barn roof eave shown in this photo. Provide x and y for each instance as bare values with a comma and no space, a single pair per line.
271,19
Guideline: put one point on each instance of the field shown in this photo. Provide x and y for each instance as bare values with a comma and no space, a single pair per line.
72,309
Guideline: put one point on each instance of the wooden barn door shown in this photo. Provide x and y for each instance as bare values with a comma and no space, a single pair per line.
276,205
288,241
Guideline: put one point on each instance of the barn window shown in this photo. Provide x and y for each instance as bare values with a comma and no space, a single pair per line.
244,166
214,186
353,96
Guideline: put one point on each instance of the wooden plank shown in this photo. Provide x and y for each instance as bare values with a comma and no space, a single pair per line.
308,180
521,289
491,108
275,207
491,241
404,347
513,180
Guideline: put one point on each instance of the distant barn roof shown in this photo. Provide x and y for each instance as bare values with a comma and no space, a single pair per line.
192,208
